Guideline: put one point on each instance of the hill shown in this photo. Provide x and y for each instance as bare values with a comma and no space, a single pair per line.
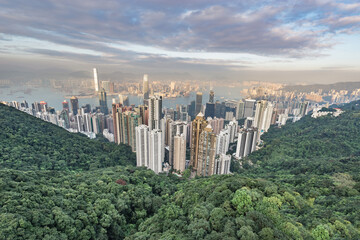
349,86
298,194
134,203
318,158
28,143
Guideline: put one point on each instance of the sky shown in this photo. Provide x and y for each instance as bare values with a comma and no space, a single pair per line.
290,41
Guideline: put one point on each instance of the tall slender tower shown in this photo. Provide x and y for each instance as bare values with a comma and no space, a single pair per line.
74,105
155,112
146,89
198,103
156,153
142,146
211,96
96,81
198,125
176,128
207,152
179,152
103,102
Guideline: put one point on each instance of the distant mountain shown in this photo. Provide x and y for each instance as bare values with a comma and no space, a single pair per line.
28,143
349,86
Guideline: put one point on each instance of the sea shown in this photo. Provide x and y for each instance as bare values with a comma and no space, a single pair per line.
55,97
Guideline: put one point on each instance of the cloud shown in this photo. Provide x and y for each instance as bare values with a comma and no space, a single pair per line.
196,35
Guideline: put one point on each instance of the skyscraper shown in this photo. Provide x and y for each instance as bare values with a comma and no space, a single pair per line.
198,102
142,146
211,96
156,150
103,101
198,125
240,109
263,114
155,112
149,145
175,128
124,100
96,81
74,105
207,152
179,152
249,108
222,164
146,90
65,105
246,144
125,122
223,141
210,110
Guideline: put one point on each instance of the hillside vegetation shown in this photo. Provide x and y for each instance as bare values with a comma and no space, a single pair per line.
278,194
29,143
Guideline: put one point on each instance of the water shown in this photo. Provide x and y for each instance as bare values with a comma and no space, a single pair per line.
55,97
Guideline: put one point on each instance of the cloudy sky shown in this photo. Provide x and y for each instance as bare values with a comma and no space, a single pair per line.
290,41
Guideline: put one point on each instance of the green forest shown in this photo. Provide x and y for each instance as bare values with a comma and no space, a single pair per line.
303,184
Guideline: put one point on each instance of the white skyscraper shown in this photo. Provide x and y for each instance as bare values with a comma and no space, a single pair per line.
223,141
149,148
233,129
240,108
176,128
142,146
155,112
246,144
179,152
146,90
96,81
222,164
156,146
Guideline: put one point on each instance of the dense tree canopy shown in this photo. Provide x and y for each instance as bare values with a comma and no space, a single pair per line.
300,185
28,143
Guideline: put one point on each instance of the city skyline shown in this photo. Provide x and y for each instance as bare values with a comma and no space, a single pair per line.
287,41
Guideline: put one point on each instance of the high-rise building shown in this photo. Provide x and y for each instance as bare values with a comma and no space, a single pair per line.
74,105
210,110
142,146
146,89
124,100
65,105
263,115
156,150
191,109
96,81
125,122
223,141
249,108
216,123
179,153
198,103
43,106
240,110
246,144
175,128
222,164
211,96
103,102
304,108
149,145
155,112
197,126
233,129
207,152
